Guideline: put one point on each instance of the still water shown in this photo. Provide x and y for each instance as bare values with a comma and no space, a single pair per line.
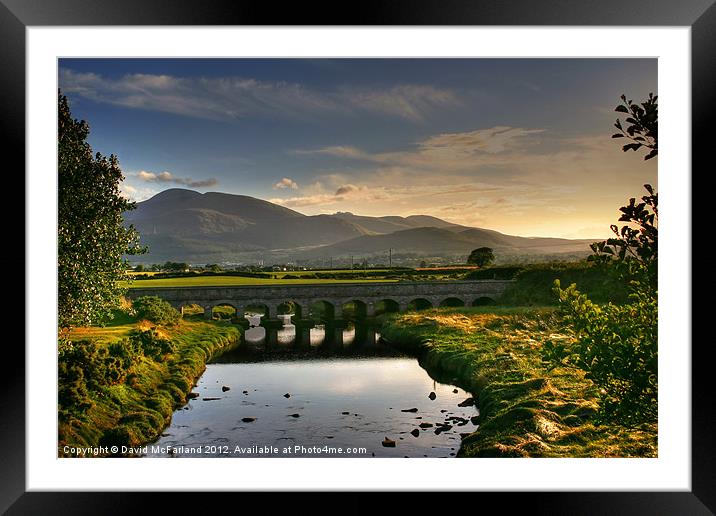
339,394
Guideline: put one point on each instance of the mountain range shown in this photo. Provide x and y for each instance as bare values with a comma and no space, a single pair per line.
185,225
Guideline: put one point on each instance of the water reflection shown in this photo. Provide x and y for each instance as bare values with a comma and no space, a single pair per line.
319,403
283,334
295,383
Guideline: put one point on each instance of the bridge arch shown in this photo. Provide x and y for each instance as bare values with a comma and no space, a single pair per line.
190,308
290,306
354,309
386,306
258,307
420,303
224,313
322,309
484,301
452,302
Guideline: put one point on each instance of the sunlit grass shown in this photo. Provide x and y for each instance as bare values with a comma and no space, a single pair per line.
135,411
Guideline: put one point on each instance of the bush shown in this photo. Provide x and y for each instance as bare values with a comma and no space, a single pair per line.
151,344
617,347
156,310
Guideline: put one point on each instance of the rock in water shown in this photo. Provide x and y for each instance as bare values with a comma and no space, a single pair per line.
432,396
425,425
345,413
295,415
287,395
193,395
469,402
225,388
415,432
454,391
475,420
409,410
210,399
248,419
388,443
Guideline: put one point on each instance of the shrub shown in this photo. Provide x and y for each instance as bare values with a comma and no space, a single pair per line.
617,347
151,344
156,310
84,365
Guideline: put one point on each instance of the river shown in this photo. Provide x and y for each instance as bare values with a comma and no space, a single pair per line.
335,393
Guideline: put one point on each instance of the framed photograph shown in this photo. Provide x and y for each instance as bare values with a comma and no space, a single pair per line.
320,256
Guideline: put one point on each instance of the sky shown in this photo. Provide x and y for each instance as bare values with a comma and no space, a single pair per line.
521,146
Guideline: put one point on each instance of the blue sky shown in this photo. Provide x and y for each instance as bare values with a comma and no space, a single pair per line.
518,145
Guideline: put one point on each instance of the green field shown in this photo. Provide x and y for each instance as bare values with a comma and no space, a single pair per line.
230,281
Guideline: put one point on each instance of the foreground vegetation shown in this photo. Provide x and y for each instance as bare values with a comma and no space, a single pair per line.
526,408
119,385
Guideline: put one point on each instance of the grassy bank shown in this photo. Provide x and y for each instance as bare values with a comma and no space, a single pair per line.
130,378
525,410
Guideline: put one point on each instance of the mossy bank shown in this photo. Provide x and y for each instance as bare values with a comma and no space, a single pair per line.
525,409
120,385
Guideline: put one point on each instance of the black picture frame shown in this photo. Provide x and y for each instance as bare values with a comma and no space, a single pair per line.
700,15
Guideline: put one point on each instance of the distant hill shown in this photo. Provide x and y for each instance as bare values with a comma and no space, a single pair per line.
390,224
180,224
432,241
184,225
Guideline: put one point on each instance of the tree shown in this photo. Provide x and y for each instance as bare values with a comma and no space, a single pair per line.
643,128
617,345
481,257
91,236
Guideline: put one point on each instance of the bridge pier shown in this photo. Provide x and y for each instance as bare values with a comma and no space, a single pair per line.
370,337
272,310
303,337
338,336
370,309
271,338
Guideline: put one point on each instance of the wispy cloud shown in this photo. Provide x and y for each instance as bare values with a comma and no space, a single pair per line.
524,180
407,101
448,151
491,141
168,177
238,97
286,182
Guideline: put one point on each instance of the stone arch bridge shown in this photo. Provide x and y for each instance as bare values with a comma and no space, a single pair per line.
366,295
